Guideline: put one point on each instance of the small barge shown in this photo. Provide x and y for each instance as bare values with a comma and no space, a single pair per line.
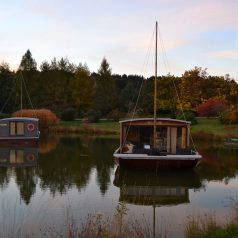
171,151
19,131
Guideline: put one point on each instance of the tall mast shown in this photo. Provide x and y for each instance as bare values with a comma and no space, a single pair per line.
155,92
21,92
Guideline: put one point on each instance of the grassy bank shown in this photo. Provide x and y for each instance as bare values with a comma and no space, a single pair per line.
212,129
103,127
209,128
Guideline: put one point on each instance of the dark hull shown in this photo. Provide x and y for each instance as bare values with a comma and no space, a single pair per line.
157,164
19,142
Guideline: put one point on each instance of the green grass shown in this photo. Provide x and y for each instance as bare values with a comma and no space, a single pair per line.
213,126
102,125
208,126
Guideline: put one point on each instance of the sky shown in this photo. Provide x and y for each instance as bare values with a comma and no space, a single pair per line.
202,33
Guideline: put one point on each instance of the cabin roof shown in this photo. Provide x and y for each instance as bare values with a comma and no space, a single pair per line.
152,119
20,119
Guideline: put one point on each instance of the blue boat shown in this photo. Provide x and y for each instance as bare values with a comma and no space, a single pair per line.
19,131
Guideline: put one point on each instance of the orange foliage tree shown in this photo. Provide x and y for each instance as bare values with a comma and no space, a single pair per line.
46,117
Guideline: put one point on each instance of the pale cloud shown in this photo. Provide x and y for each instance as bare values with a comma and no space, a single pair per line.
225,54
120,30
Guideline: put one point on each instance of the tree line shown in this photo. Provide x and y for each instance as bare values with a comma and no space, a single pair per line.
72,90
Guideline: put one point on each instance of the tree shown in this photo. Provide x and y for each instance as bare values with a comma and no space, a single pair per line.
27,62
105,95
45,66
211,108
82,88
65,65
191,88
6,87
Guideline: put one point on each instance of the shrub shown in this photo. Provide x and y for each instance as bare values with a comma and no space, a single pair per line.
188,116
93,116
229,116
46,117
69,114
211,108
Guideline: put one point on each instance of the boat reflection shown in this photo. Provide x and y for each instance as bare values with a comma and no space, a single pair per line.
18,156
155,189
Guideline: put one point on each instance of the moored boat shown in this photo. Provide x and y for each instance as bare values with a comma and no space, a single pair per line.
231,142
171,150
156,143
19,131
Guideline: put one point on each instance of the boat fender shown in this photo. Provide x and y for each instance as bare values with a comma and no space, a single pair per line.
30,127
30,157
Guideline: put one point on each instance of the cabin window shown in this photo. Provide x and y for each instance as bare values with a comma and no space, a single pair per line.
161,138
16,156
16,128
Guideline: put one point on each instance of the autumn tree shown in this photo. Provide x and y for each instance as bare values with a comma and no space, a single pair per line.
190,88
82,88
213,107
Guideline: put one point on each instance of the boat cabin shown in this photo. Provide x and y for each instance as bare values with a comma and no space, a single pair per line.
18,130
137,135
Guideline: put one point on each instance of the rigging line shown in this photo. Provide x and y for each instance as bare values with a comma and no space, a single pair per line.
24,83
166,62
236,40
9,96
144,68
145,65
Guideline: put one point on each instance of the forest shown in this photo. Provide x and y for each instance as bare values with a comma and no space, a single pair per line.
72,91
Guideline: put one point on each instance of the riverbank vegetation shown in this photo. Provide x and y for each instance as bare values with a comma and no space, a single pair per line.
206,128
207,227
212,129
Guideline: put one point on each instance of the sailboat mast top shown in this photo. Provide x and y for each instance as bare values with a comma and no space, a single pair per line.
155,91
21,93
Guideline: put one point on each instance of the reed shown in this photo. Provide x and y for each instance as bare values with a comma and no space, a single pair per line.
206,226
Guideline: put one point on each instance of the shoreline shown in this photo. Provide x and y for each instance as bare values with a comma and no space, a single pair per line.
207,129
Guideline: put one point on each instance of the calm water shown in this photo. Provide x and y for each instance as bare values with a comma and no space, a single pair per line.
64,179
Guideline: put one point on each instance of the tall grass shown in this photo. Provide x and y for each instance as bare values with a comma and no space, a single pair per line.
206,226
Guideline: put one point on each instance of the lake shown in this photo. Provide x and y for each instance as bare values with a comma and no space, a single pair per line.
65,179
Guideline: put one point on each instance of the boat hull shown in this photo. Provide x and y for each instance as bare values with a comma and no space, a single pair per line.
19,141
156,163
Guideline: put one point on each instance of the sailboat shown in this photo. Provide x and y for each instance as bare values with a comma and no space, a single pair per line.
156,143
19,131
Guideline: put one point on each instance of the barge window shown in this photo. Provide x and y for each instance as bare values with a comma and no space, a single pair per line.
16,156
16,128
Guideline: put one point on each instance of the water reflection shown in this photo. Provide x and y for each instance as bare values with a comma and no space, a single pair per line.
155,189
18,156
80,172
21,162
219,162
66,163
71,162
